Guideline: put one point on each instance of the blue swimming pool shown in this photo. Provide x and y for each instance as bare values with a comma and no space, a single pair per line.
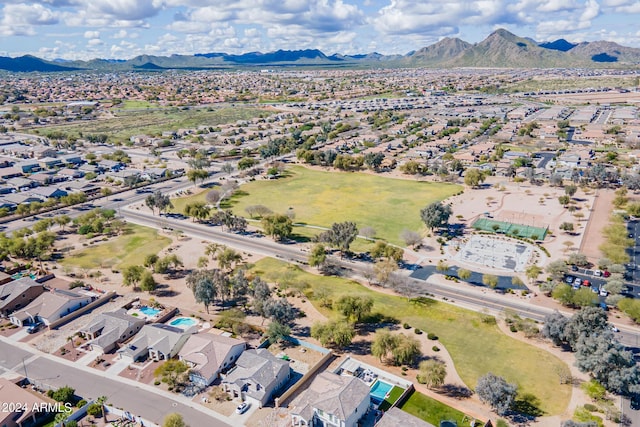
379,390
183,322
148,311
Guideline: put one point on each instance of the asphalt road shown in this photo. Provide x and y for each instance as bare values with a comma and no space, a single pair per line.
478,299
136,400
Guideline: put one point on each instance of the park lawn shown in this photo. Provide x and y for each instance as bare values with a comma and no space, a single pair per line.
322,198
130,248
129,122
394,395
477,347
431,410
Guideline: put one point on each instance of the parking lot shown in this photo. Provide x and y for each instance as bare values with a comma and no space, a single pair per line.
633,227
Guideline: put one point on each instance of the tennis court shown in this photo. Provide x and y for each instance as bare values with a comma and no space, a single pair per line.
510,228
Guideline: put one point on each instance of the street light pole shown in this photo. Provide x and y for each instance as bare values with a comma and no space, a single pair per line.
24,366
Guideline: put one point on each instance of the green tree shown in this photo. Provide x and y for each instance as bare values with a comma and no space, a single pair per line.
172,372
228,258
354,308
473,177
206,285
131,275
147,282
496,392
557,269
464,274
340,235
334,333
436,215
277,226
318,255
276,332
174,420
532,272
432,373
564,294
198,210
490,280
195,175
65,394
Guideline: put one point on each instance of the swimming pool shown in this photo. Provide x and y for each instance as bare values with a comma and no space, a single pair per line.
183,322
148,311
379,390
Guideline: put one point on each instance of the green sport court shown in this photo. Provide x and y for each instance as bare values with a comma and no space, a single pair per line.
510,228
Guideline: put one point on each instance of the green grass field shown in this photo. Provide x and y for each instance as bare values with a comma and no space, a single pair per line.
154,121
431,410
477,347
322,198
127,249
394,395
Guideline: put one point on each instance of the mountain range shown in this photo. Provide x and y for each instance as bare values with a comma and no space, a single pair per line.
501,49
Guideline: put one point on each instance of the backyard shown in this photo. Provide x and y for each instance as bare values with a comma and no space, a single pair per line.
432,411
321,198
130,248
474,341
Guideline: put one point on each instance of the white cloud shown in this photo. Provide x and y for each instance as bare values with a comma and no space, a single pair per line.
21,19
92,34
94,42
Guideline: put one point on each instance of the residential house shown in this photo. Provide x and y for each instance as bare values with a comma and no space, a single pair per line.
331,400
395,417
257,376
71,159
22,198
86,187
208,355
21,184
50,307
21,407
152,174
571,160
4,204
41,178
109,329
18,294
10,172
122,175
49,162
68,173
28,166
158,341
110,165
49,192
88,167
42,152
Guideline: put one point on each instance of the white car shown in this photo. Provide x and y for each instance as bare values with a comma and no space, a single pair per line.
242,408
614,329
604,292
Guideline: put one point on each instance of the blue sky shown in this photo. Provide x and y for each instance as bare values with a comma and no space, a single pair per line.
84,29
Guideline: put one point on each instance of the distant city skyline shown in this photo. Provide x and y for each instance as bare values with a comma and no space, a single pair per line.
122,29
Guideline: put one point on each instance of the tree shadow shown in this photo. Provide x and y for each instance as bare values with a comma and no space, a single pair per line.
303,331
528,404
455,391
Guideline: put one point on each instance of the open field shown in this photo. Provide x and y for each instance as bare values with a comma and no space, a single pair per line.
431,411
322,198
127,249
154,122
476,346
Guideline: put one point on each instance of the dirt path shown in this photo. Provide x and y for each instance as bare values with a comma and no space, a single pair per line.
593,236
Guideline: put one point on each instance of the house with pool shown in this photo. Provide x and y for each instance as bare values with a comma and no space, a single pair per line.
208,354
157,340
331,400
108,329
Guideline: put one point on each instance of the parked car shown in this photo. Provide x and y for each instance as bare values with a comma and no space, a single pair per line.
569,279
32,329
604,292
242,408
614,329
597,273
585,282
577,282
573,267
606,273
